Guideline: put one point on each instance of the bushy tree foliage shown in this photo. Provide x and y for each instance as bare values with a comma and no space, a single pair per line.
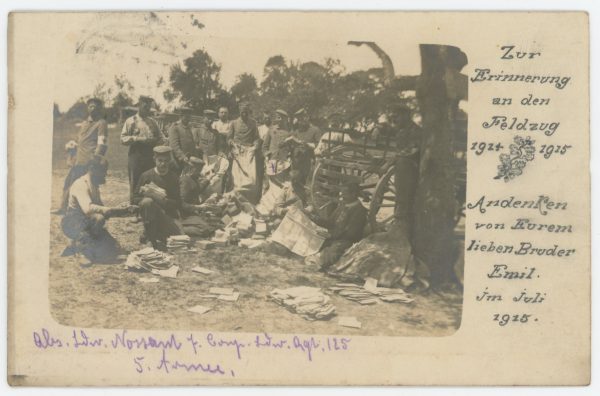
320,88
196,82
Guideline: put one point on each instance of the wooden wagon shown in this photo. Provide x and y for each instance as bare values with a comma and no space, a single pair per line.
374,164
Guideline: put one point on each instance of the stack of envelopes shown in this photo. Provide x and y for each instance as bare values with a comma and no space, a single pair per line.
178,243
148,259
306,301
370,293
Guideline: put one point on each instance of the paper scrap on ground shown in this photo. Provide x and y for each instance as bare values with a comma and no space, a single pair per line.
231,297
349,321
220,291
168,273
149,280
199,309
202,270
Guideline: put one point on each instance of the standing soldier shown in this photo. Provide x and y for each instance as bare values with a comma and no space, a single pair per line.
305,130
303,154
245,145
208,139
91,142
181,140
141,133
275,149
223,124
263,129
407,138
212,145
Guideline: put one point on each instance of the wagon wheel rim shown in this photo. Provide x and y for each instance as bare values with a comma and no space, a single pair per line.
316,201
384,197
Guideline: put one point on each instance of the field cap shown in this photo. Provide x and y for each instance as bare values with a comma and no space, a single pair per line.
162,150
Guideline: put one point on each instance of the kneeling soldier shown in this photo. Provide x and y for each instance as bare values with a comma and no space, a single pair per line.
85,217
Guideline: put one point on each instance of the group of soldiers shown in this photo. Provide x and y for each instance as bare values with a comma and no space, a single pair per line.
172,172
167,170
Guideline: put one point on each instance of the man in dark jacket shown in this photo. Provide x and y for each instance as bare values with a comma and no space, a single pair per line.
208,139
302,154
141,133
157,195
345,225
181,140
192,187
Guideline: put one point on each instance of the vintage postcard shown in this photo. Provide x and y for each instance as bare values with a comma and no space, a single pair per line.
298,198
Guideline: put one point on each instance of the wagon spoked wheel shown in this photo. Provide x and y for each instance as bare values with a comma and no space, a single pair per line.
381,208
344,165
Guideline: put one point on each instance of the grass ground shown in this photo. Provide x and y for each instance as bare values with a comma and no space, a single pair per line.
109,296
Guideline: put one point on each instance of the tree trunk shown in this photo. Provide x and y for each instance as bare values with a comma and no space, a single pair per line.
435,201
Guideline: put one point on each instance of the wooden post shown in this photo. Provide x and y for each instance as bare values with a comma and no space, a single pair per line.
439,89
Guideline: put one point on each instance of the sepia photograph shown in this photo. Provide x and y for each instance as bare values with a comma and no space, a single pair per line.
203,179
254,197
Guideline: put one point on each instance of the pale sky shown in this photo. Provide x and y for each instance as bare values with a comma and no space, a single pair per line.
142,47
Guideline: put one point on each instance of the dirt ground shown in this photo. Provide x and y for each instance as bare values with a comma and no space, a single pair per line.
109,296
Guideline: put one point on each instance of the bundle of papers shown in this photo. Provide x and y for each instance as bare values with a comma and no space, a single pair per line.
148,259
369,293
155,189
178,243
308,302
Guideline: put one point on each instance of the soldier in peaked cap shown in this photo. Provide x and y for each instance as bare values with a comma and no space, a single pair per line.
181,139
158,196
141,133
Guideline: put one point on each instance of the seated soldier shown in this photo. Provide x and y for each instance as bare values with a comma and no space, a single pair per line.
157,195
192,187
345,225
85,217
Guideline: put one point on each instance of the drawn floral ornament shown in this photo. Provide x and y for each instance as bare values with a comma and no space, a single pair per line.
512,165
